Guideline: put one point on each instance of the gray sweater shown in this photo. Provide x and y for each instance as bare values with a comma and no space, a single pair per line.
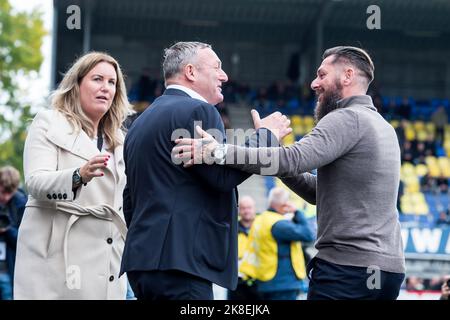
357,156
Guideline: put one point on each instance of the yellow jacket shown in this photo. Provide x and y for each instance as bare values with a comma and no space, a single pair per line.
260,259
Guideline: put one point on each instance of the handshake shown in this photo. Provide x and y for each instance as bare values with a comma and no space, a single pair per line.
206,149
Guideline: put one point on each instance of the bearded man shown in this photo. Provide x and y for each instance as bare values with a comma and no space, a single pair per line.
357,157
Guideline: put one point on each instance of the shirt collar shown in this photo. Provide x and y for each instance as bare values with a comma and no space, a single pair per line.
190,92
363,100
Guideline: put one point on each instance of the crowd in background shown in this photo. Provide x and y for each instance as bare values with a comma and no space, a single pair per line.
293,99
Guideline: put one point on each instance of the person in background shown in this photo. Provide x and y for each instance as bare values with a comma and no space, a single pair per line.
274,256
72,234
12,198
445,289
440,120
8,240
12,206
246,290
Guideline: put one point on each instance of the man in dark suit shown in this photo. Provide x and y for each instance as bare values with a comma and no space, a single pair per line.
182,223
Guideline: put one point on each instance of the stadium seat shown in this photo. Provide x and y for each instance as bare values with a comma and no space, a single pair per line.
433,167
410,134
419,125
308,123
421,170
444,166
407,169
298,126
296,120
289,139
421,134
430,127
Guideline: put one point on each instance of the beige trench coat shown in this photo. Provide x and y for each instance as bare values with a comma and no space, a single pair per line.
69,248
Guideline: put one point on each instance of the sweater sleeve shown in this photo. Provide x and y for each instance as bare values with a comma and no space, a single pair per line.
333,136
304,185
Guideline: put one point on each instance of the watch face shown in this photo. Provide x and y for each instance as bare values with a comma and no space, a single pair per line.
218,153
76,178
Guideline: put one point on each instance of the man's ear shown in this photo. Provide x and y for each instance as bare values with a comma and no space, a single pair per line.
349,74
189,72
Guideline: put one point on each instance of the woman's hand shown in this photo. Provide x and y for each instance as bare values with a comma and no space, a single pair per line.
93,167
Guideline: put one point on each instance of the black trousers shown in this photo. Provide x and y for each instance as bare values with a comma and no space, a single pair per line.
169,285
244,291
329,281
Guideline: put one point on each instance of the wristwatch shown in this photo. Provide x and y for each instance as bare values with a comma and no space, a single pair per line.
77,180
220,153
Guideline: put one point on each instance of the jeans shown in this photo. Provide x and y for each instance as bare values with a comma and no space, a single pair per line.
329,281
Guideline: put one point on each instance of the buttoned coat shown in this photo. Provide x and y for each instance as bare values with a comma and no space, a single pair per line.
69,246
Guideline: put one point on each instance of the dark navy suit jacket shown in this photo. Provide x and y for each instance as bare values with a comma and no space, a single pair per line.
178,218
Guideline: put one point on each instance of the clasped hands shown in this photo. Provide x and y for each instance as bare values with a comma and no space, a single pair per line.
195,151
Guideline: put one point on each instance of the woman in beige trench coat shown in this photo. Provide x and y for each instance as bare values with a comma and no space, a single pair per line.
72,234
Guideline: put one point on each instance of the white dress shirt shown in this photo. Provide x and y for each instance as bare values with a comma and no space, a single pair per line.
190,92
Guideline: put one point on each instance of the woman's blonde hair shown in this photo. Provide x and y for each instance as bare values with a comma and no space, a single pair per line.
66,99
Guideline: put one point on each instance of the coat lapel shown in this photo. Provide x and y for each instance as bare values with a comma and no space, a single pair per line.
63,135
119,163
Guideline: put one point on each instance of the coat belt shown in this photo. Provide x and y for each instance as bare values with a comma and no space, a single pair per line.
104,212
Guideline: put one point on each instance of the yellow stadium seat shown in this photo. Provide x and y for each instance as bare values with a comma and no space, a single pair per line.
408,167
447,147
410,134
394,123
433,167
419,204
431,128
421,209
296,120
421,134
447,129
417,197
419,125
289,139
308,124
406,205
444,166
308,120
297,130
297,125
407,209
421,170
413,186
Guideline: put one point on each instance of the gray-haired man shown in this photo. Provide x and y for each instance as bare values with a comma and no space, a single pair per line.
182,234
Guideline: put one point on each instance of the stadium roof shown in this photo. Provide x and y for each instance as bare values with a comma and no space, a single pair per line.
411,47
271,21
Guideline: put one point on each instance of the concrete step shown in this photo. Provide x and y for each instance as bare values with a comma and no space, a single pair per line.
254,186
240,117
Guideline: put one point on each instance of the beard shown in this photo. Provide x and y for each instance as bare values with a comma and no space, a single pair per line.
329,101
